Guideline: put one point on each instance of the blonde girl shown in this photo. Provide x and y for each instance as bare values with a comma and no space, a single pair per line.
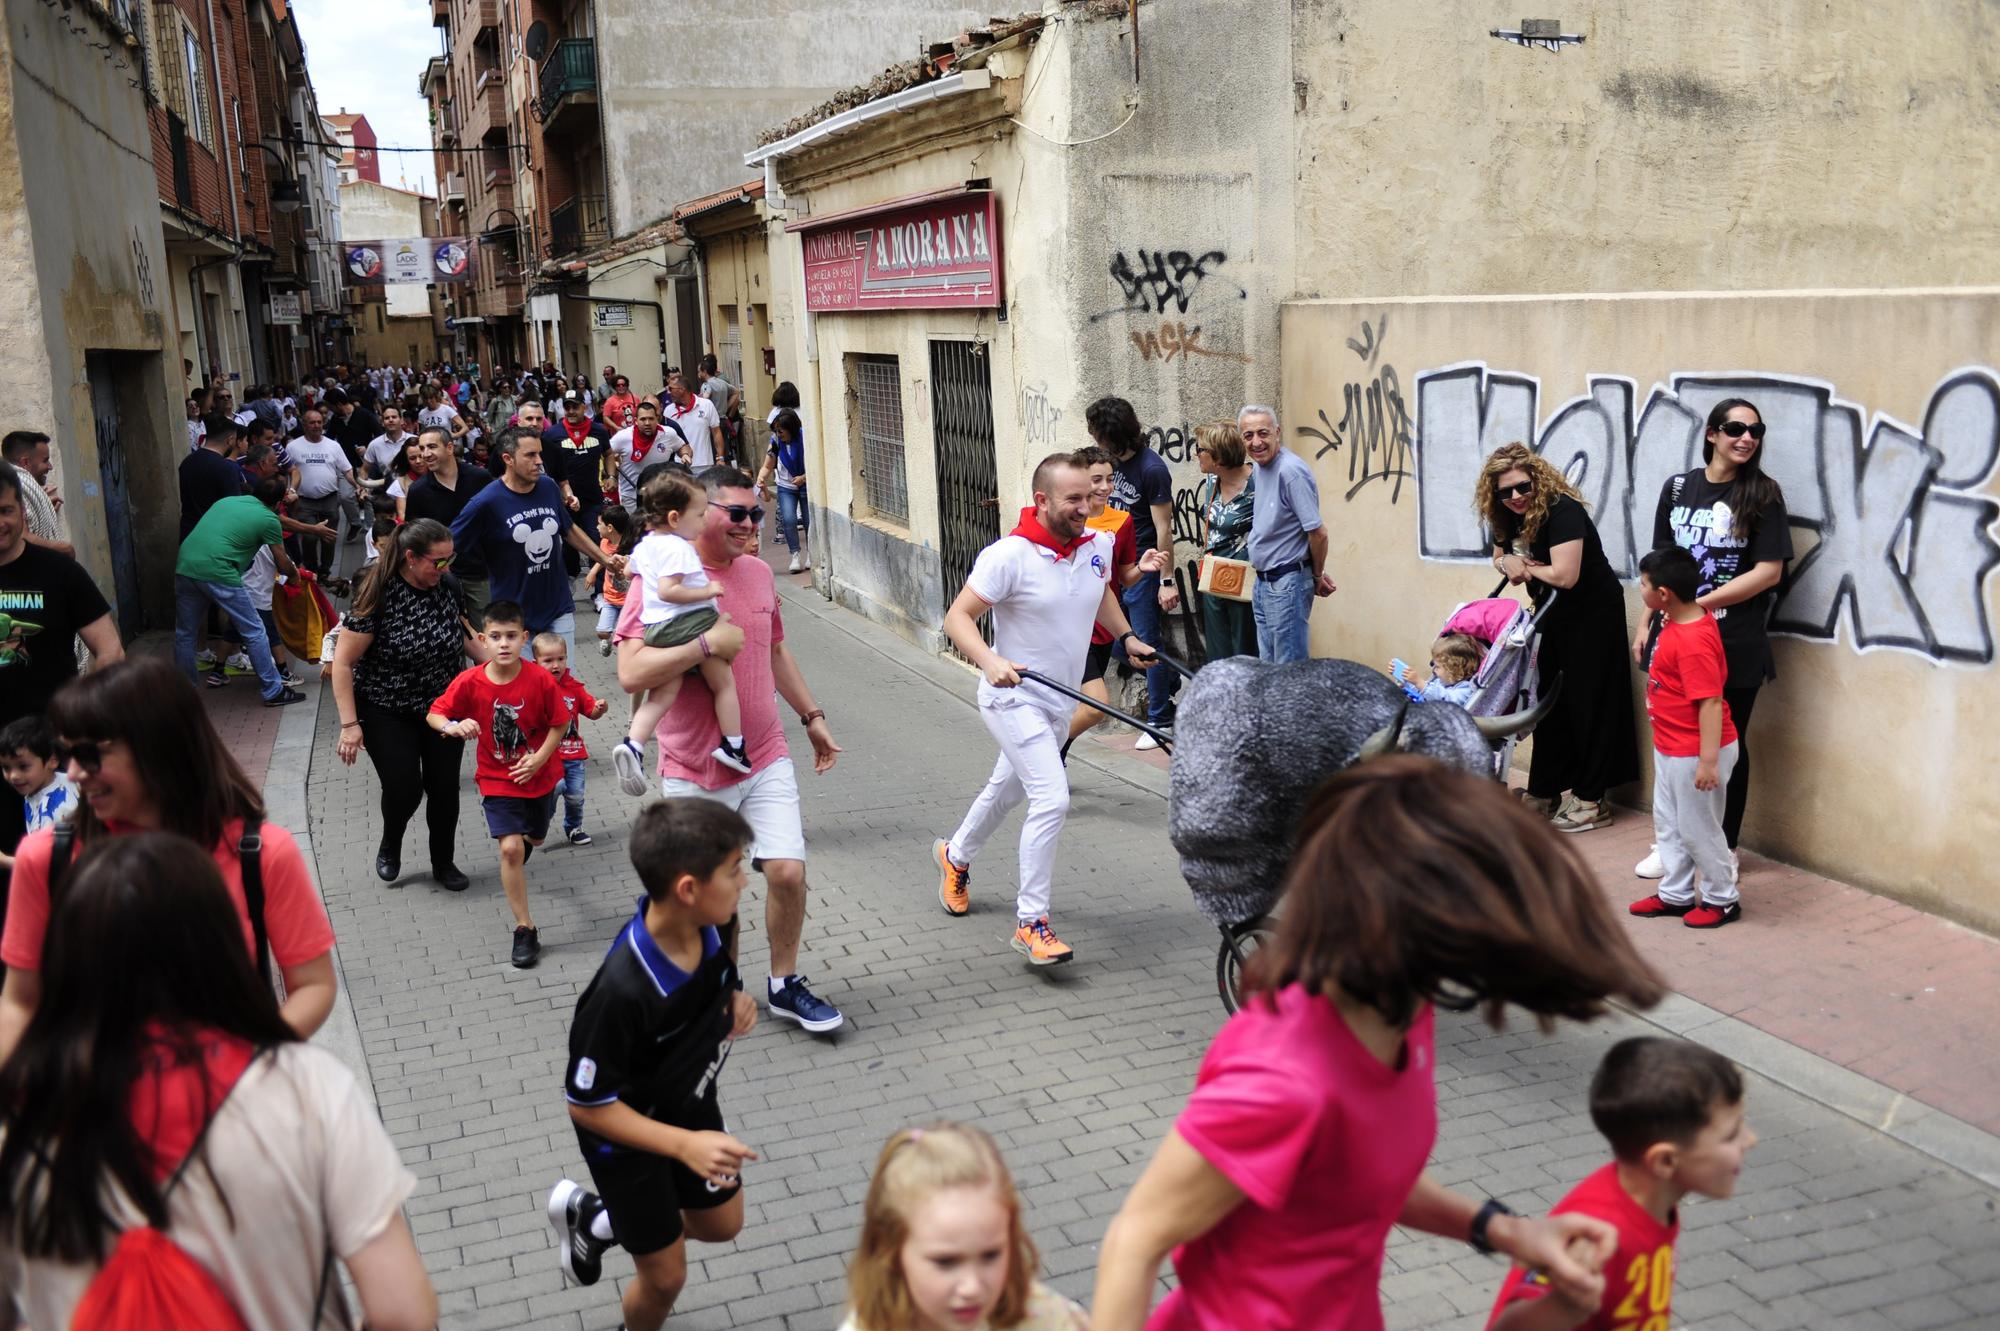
942,1244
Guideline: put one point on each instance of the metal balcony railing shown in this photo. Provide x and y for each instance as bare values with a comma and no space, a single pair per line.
570,69
577,223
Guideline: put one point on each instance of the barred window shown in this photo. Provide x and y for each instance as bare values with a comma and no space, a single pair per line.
878,391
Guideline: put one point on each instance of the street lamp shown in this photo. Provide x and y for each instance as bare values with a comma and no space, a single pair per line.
285,194
491,237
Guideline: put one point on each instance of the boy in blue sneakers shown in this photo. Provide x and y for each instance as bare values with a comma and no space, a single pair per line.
651,1034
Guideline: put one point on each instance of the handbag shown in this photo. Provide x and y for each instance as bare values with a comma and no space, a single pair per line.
1230,579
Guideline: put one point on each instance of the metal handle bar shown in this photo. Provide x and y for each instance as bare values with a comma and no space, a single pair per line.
1036,677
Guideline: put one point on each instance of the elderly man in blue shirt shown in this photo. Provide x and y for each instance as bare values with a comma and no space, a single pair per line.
1287,539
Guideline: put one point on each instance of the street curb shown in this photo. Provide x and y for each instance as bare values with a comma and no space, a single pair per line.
285,804
949,676
1945,1138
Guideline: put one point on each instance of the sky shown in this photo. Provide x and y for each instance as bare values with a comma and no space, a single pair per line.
366,56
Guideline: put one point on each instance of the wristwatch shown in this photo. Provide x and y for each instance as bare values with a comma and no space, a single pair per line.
1477,1236
1167,581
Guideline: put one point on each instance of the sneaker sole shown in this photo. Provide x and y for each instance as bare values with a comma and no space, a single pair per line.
731,763
1034,960
631,771
1590,826
937,855
816,1027
558,1213
1649,875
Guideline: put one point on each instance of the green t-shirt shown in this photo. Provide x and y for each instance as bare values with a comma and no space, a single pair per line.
226,539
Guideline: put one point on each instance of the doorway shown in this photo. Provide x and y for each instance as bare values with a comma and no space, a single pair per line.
968,475
101,369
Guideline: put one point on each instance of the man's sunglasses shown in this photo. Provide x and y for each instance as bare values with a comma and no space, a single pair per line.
85,753
1512,491
1737,429
743,512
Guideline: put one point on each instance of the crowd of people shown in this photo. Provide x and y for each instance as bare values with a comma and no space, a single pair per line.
143,1121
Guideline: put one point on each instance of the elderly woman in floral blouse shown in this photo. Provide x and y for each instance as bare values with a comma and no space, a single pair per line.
1224,498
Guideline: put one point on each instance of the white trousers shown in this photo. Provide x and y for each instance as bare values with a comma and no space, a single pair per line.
1687,825
1030,767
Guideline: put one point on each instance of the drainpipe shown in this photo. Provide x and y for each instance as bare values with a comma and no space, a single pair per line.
222,135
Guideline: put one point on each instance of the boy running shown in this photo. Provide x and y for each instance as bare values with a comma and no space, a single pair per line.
651,1034
1673,1114
517,715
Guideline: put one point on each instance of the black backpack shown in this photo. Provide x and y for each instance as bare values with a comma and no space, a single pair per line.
250,856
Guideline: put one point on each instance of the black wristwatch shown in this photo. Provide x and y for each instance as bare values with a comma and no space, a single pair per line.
1477,1236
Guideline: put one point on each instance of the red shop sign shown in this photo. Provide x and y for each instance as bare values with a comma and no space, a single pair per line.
939,254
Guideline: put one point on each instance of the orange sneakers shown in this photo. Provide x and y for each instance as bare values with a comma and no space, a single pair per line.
954,883
1039,944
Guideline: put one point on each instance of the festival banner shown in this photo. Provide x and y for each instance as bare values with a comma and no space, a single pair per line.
415,259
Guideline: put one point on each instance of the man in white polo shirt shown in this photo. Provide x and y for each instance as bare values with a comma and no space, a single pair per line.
1046,583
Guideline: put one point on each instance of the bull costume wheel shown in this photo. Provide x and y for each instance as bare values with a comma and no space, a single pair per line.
1239,943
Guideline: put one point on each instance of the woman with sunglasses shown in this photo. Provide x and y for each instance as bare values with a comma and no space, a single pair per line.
1543,538
140,750
179,1097
403,642
1731,517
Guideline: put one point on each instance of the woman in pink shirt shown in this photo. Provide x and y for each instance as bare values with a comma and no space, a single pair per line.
1306,1137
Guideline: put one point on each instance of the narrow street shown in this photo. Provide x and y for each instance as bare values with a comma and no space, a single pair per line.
1077,1072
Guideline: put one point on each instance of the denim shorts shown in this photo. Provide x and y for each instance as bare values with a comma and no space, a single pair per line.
518,815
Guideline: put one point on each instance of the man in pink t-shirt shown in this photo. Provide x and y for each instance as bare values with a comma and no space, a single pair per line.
768,798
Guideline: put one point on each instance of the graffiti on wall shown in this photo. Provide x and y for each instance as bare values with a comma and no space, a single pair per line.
1374,426
1162,281
1041,418
1903,542
1177,339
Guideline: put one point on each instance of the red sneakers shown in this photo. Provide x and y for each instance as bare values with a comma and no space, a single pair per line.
1712,917
1651,906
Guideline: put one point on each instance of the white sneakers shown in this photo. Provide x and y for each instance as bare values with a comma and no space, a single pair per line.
1650,867
1146,741
798,562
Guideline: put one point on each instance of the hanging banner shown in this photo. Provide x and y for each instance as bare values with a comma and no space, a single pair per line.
416,259
939,253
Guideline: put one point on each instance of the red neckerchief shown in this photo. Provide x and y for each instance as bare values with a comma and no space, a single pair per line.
639,453
1031,529
577,432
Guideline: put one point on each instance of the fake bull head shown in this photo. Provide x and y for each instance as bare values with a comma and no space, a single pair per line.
1254,740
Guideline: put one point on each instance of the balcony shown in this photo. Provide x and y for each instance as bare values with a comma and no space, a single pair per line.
454,189
487,114
483,17
497,179
578,223
434,72
445,120
440,13
568,85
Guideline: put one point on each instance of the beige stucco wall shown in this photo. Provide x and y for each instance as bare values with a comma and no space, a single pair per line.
1877,749
1700,145
648,275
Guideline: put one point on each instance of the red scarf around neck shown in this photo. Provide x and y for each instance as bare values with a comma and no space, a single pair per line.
1030,528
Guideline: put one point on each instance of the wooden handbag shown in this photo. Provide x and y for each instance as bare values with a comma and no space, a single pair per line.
1230,579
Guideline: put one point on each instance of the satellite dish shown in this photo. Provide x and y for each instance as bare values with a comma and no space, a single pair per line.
536,43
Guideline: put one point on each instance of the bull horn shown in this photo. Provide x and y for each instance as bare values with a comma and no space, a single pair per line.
1384,740
1519,723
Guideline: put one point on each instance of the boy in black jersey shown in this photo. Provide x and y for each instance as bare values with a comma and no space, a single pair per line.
651,1033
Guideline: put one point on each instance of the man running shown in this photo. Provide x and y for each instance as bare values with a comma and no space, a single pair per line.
1046,583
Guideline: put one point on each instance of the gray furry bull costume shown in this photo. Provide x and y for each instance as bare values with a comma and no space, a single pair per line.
1254,740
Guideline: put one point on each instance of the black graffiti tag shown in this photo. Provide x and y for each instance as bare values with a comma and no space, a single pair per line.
1158,278
1374,424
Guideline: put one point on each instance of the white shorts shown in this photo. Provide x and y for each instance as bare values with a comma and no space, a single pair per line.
768,801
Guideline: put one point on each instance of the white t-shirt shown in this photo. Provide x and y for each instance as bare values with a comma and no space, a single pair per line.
661,554
305,1163
1043,609
696,421
666,444
196,433
320,465
380,455
439,417
261,577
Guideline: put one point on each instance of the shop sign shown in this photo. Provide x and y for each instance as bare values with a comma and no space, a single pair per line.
938,254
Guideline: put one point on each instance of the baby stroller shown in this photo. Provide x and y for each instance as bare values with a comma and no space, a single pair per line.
1508,679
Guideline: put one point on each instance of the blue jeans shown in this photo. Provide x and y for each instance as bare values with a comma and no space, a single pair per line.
1283,609
192,598
1142,607
572,793
791,516
564,627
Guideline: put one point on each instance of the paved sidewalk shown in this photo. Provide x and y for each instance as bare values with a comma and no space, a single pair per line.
1078,1073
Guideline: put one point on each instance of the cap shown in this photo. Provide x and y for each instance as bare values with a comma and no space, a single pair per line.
335,395
572,396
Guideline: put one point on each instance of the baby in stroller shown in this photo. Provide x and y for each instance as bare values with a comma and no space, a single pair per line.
1455,659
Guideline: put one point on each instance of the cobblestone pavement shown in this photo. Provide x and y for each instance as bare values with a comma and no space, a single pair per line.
1078,1072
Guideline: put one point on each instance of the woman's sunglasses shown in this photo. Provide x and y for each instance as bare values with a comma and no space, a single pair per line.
443,563
85,753
1737,429
1512,491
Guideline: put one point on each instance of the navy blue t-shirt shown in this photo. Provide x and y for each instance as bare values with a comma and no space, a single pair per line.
519,538
206,476
1142,481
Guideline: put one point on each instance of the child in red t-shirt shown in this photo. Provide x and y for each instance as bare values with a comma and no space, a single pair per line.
552,655
1673,1113
516,715
1694,748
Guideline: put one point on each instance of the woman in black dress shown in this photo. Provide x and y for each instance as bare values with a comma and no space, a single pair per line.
1543,537
1731,517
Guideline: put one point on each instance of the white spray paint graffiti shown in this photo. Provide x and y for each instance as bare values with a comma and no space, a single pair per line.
1903,542
1040,416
